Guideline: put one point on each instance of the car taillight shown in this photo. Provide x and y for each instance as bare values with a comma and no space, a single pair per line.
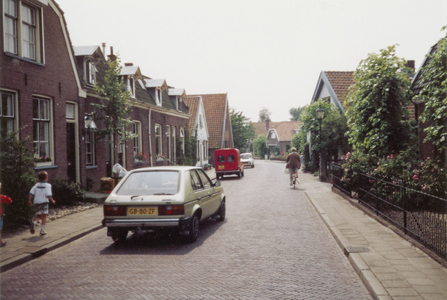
113,210
164,210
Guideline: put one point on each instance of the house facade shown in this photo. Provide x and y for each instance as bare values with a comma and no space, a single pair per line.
217,113
198,127
40,87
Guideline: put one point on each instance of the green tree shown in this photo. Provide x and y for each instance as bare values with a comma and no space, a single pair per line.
114,108
377,115
264,115
333,129
434,96
189,158
260,145
17,178
296,112
243,130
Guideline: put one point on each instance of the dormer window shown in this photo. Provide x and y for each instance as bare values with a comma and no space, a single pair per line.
178,102
90,72
131,86
158,95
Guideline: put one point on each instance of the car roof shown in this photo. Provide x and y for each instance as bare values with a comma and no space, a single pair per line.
246,153
167,168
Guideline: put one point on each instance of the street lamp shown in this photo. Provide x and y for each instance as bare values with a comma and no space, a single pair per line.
320,117
89,123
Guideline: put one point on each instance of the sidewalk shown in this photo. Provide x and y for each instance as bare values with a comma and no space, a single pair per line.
24,246
389,266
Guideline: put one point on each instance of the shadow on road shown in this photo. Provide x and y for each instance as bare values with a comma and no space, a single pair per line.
166,242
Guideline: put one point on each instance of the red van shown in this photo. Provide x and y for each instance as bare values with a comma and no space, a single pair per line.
228,162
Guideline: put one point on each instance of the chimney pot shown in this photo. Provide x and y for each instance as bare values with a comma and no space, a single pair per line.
128,64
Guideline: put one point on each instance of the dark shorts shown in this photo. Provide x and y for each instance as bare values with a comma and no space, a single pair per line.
41,208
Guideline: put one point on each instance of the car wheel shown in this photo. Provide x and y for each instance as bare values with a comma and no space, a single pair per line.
243,173
194,229
222,212
119,237
253,166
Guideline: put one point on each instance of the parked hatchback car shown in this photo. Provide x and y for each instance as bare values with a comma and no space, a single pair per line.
247,160
163,197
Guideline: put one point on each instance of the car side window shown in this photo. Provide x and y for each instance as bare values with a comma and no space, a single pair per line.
221,159
231,158
205,180
195,180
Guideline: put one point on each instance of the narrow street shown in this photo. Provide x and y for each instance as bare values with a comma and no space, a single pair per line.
273,245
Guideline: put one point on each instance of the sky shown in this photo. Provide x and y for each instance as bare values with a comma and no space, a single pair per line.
263,54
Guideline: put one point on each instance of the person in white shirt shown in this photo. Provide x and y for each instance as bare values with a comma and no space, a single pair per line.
42,194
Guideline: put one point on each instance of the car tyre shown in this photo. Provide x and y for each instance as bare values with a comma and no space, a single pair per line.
120,236
239,174
222,212
194,229
253,166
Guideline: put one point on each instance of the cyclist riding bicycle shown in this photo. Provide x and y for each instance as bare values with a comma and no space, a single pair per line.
293,163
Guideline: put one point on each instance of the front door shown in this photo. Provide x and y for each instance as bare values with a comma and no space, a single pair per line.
71,152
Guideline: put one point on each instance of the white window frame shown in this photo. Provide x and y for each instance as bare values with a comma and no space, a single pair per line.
131,85
158,140
168,136
137,140
8,114
182,139
10,21
158,95
90,72
22,33
174,144
42,103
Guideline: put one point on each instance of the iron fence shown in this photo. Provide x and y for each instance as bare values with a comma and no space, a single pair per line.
419,215
345,186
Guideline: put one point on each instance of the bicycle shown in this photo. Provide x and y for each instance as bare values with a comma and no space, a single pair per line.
294,178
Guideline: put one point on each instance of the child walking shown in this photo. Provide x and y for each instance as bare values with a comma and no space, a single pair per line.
42,195
3,200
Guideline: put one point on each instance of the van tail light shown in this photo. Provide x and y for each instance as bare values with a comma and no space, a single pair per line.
165,210
114,210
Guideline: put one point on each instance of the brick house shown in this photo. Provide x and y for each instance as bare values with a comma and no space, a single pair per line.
279,134
217,112
198,127
40,87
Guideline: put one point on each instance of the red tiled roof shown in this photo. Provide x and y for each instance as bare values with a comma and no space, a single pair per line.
286,130
193,103
214,105
340,82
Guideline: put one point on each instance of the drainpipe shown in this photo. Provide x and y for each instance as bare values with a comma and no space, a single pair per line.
150,138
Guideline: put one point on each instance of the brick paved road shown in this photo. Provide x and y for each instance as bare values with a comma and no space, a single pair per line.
273,245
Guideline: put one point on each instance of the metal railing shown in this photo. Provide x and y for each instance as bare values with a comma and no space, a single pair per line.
419,215
335,169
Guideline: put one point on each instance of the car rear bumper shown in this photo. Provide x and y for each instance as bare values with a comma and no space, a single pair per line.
143,223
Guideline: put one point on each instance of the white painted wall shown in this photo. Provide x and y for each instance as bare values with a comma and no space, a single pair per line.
202,134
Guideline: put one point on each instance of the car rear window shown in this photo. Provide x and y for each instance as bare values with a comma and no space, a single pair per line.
150,183
221,159
231,158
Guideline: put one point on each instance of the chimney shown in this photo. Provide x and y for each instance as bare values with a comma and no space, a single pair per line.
410,64
104,49
111,56
128,64
267,124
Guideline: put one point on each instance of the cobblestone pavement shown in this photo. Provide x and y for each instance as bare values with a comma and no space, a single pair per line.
273,245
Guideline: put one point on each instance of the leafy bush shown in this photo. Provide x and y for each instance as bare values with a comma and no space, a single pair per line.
17,177
66,192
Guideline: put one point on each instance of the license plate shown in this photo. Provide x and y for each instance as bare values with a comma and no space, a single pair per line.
221,167
132,211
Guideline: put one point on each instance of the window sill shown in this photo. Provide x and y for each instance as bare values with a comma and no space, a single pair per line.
39,167
24,59
43,163
159,159
91,167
